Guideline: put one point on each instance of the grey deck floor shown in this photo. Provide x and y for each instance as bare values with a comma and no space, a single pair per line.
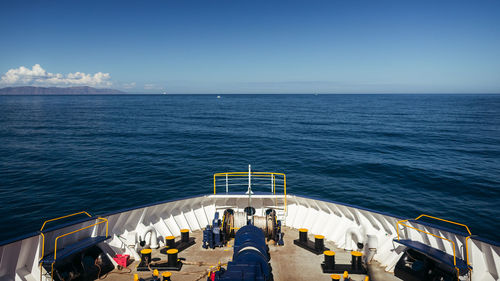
288,262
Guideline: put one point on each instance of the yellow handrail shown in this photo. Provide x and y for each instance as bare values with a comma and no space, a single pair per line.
448,221
54,219
452,243
63,217
101,220
284,183
456,223
257,175
245,174
274,185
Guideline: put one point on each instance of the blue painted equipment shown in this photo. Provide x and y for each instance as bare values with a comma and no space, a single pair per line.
213,236
250,258
279,234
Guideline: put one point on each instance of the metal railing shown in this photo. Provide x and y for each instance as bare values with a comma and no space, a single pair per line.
100,221
55,219
443,238
276,182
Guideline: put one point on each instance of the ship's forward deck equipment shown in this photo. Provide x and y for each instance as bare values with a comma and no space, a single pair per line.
173,262
423,262
213,235
184,243
250,258
355,267
82,259
410,249
317,247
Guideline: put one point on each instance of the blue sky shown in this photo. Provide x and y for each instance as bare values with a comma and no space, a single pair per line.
253,46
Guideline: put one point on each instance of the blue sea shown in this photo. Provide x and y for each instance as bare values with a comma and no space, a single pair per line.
402,154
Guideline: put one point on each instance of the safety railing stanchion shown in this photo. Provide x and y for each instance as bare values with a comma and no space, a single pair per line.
402,223
255,179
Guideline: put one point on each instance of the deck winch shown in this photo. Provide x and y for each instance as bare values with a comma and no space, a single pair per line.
250,258
217,234
273,227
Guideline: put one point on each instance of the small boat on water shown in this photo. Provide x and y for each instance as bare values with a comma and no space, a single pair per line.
249,228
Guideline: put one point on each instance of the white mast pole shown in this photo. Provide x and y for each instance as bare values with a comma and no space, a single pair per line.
249,179
250,191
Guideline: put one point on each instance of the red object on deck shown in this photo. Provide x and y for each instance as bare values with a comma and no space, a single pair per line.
122,260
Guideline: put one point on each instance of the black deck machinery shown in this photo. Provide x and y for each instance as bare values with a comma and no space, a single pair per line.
421,264
85,264
251,253
250,258
217,234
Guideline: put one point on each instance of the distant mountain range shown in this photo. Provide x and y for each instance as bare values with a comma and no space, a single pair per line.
84,90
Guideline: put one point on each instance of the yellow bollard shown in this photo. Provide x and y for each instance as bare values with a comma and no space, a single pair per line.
170,242
166,275
335,277
303,235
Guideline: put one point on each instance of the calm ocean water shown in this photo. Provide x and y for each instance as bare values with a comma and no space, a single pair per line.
402,154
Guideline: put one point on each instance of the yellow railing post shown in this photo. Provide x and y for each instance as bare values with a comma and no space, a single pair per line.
467,250
274,184
452,243
455,223
102,220
284,188
214,182
401,222
54,219
255,175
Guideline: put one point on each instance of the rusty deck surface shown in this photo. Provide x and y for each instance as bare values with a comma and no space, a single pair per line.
288,262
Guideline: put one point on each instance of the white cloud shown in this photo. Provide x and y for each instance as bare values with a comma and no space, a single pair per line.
129,85
38,76
150,87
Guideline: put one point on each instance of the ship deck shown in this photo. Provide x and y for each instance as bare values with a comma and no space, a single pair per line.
288,262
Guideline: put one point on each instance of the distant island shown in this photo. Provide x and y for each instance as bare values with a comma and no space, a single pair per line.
83,90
